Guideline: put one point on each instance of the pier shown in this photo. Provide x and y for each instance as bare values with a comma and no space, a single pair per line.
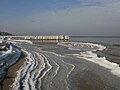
59,37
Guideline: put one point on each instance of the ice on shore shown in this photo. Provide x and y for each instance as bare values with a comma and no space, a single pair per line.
91,56
23,41
8,58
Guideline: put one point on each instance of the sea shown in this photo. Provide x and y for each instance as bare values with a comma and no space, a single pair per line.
81,63
97,39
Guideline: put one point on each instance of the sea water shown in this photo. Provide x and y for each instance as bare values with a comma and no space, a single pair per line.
67,65
97,39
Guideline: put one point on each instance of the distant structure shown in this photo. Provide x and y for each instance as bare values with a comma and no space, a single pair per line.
5,33
59,37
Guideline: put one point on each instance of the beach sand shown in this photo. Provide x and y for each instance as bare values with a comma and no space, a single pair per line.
79,80
12,72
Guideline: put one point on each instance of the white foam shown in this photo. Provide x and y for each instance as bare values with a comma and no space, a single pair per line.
73,66
102,61
33,75
23,41
58,68
90,56
42,67
50,67
80,45
27,80
5,54
69,64
27,68
21,73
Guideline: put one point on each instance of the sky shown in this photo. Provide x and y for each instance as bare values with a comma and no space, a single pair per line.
60,17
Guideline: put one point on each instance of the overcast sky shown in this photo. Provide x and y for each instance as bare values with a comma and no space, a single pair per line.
55,17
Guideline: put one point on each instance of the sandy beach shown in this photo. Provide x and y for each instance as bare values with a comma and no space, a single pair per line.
87,75
11,73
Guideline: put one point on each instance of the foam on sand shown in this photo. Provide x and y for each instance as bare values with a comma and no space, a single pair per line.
102,61
81,46
90,56
23,41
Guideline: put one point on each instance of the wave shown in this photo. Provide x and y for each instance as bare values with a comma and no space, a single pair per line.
38,66
90,56
31,73
42,69
102,61
82,46
72,66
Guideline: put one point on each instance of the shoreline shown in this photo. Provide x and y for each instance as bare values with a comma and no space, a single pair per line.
12,72
80,82
111,53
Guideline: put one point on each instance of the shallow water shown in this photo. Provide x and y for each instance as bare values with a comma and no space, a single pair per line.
97,39
66,66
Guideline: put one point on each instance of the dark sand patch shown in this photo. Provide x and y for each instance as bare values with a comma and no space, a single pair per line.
89,81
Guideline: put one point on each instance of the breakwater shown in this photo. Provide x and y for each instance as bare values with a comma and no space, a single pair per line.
59,37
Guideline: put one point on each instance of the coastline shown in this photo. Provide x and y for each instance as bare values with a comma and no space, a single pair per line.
11,72
111,53
79,80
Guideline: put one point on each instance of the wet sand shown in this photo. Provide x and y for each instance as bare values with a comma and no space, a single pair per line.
88,80
79,81
11,73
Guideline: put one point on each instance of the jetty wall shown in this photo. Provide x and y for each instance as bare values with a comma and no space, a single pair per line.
60,37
